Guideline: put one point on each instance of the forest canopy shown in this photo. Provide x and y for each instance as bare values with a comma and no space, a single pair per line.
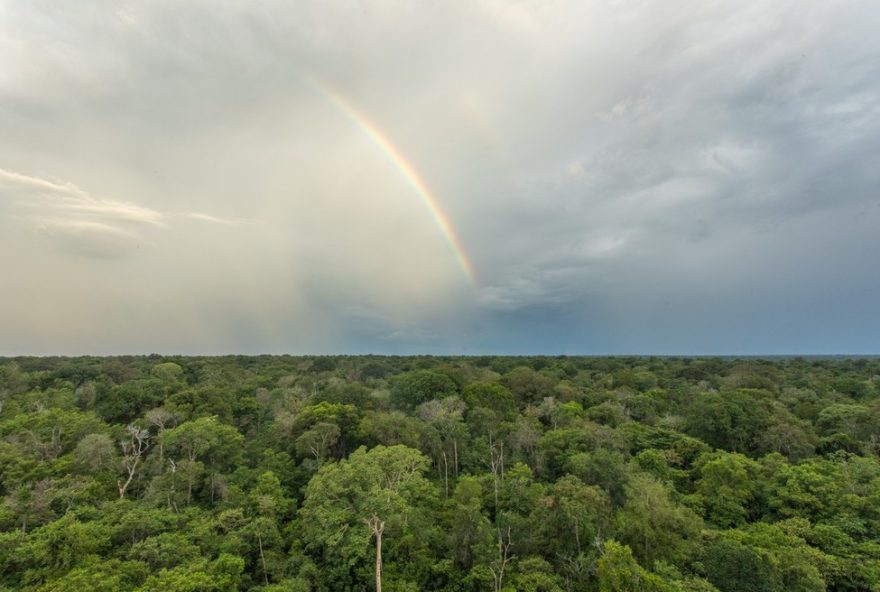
458,474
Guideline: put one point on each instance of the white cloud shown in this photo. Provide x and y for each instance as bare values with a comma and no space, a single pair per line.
115,211
13,179
84,225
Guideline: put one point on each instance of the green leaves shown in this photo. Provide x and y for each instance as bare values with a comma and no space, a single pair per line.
619,572
204,439
343,500
411,389
727,485
591,474
656,527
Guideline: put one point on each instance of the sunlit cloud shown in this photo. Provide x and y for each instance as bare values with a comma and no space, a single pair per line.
12,179
82,224
87,207
211,219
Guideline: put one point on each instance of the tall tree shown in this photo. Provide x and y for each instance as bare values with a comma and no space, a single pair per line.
361,498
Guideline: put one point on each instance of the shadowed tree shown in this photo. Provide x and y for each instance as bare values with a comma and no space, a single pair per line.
414,388
727,485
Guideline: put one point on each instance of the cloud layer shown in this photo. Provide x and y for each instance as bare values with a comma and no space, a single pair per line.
625,177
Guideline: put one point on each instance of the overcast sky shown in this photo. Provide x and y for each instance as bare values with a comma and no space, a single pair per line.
624,176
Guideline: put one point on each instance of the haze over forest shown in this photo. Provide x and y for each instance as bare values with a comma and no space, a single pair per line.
439,177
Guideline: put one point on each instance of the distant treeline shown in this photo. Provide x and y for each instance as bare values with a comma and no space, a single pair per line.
354,473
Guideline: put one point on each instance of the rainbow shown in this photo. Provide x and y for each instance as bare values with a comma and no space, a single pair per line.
405,169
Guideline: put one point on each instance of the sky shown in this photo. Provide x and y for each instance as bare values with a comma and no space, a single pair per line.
440,177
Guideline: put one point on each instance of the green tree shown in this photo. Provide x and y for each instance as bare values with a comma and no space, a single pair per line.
470,535
570,516
325,439
169,373
734,567
535,574
654,526
444,432
605,469
411,389
317,440
489,395
730,420
528,387
95,453
221,575
619,572
203,442
357,499
727,485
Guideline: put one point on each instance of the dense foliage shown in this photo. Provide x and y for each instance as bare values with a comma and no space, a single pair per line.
491,473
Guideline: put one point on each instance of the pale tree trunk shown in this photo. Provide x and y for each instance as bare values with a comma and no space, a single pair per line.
445,474
132,451
377,527
379,562
497,568
173,490
263,560
496,464
501,458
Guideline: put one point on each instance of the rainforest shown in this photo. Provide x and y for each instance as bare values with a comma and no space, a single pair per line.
458,474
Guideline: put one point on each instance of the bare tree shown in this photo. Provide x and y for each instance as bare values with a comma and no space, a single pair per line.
500,564
133,450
